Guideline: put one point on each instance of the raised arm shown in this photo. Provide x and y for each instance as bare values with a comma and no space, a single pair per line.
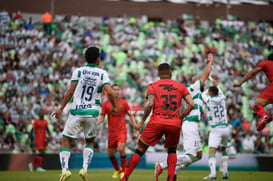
207,70
190,106
248,76
67,97
147,110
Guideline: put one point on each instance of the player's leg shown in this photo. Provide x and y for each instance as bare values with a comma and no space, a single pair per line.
113,158
123,159
263,99
64,155
172,135
40,160
224,162
134,160
70,132
214,142
150,136
89,126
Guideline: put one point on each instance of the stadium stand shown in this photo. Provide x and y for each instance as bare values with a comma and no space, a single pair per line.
35,69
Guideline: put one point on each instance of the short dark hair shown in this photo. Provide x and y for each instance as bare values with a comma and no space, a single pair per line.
114,85
214,90
164,67
270,56
91,54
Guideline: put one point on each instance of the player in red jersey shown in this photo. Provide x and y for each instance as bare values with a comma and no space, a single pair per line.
40,127
266,97
164,98
117,131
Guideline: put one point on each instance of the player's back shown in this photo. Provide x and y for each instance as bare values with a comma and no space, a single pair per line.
87,96
217,111
168,96
267,66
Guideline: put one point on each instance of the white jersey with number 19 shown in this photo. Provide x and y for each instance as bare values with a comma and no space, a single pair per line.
87,96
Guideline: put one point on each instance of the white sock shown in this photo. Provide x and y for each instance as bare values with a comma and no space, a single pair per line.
163,165
64,158
88,152
212,165
183,161
224,160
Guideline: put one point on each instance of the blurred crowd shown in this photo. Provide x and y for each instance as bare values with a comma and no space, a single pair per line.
37,58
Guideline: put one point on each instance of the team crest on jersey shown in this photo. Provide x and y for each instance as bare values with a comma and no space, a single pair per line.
120,108
168,87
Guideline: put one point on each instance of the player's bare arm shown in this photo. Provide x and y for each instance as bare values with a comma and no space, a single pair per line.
248,76
148,106
190,106
111,96
207,70
101,119
67,97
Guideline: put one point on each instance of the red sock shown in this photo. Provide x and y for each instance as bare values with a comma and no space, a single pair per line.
132,164
123,161
35,160
259,110
114,162
39,161
171,161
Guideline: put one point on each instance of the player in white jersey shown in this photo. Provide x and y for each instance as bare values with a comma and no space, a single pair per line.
84,92
190,130
219,133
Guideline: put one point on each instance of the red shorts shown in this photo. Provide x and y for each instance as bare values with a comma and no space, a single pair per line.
267,94
152,133
40,144
114,140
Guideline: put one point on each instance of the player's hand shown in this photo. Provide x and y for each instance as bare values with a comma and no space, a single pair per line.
210,58
138,126
57,114
237,84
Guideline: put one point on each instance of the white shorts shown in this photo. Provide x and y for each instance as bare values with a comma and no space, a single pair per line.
219,137
75,124
191,138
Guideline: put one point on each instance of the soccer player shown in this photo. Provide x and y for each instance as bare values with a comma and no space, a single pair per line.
266,97
40,127
219,130
117,131
190,130
164,98
85,91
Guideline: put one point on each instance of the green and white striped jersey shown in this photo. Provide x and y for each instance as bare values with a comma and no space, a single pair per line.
195,91
87,95
217,112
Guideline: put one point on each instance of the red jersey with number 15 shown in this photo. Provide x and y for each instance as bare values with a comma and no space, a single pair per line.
116,121
267,67
168,96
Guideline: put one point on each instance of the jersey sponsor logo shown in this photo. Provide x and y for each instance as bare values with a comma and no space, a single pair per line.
168,87
83,106
86,72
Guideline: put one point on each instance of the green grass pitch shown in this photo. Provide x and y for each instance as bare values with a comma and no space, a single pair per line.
138,175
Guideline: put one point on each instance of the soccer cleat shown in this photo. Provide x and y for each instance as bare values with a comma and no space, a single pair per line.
116,174
30,167
225,176
40,169
121,174
83,174
65,176
158,170
210,177
263,123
